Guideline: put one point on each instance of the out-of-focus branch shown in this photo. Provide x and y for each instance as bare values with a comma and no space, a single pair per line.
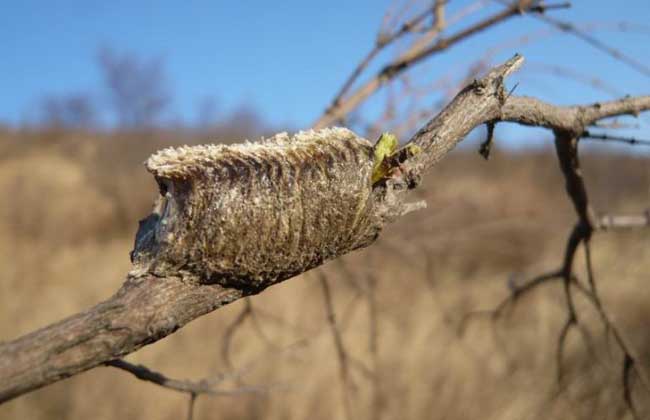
149,307
481,102
206,386
615,53
608,138
566,144
568,125
383,41
230,332
594,42
341,105
341,354
533,112
203,386
143,311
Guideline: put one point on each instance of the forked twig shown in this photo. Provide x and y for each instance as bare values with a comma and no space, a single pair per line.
341,105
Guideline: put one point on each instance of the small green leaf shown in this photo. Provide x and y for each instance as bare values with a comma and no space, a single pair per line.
386,146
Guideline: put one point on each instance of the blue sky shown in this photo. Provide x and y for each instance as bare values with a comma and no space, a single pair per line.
284,58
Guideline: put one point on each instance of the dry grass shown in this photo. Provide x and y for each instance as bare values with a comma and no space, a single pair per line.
71,207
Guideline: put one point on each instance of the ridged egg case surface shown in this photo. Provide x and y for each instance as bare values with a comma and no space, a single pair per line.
253,212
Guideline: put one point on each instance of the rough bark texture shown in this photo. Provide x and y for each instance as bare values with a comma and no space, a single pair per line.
195,280
143,311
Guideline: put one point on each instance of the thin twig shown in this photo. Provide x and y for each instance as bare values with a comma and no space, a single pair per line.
203,386
338,344
383,41
615,53
190,408
572,29
413,56
376,406
231,330
517,292
607,138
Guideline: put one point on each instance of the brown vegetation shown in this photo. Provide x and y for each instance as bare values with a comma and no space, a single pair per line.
380,333
73,201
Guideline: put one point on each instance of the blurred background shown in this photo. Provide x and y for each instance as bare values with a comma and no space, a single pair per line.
90,89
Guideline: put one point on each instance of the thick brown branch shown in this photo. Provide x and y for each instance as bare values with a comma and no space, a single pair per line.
143,311
531,111
477,104
148,308
568,125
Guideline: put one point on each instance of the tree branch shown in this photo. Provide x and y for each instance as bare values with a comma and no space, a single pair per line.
146,374
149,307
568,125
193,388
533,112
607,138
143,311
341,354
342,104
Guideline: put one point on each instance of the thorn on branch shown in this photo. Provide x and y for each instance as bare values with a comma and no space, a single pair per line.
587,135
479,87
486,146
511,92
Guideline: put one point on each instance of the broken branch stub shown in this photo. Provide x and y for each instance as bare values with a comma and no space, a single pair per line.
252,214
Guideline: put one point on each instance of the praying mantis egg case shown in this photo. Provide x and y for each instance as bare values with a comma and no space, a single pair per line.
256,213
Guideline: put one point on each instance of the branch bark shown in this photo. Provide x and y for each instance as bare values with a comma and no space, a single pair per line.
148,308
143,311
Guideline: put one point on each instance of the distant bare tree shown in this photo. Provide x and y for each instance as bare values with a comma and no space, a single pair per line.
73,111
207,113
136,88
244,122
316,187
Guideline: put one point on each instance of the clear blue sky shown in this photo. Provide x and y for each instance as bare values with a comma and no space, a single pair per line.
285,58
